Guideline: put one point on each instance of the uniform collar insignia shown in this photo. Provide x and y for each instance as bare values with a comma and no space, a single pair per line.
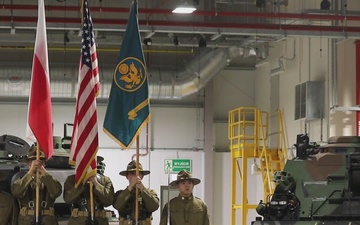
186,198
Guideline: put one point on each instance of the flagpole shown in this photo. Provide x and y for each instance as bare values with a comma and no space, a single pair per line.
37,195
91,201
39,124
88,75
123,122
137,175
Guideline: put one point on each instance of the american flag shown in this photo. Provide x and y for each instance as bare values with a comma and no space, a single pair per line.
85,142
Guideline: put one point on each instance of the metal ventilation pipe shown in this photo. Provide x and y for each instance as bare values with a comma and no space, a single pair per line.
195,75
163,84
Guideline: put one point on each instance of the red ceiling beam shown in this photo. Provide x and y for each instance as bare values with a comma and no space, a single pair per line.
196,13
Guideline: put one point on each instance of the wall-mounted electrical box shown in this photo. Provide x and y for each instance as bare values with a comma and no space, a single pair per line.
309,100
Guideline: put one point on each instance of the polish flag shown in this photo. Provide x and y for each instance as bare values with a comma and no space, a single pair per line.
39,124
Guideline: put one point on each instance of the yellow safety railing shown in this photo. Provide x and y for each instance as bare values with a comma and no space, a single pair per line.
248,132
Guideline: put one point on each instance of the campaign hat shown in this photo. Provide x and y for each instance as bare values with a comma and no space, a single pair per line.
184,175
131,167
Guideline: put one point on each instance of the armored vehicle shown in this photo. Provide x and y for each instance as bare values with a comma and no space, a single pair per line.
321,185
12,152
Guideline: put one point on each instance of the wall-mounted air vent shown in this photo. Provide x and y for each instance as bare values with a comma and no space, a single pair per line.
309,100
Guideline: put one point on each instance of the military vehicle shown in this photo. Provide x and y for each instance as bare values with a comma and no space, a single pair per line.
12,152
321,185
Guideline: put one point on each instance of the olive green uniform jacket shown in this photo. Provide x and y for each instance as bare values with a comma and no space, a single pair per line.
185,211
125,204
9,209
24,189
80,199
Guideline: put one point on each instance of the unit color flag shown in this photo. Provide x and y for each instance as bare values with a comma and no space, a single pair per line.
128,108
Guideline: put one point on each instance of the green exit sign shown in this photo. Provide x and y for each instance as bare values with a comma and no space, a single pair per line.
176,165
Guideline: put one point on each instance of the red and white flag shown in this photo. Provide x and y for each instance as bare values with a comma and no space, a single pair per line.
84,141
39,124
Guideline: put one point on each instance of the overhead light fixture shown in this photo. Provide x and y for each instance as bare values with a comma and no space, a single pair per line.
252,52
176,40
66,37
260,3
325,5
249,52
12,31
147,41
202,42
184,9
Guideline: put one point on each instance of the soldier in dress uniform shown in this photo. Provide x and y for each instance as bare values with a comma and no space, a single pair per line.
9,206
185,209
79,197
124,202
24,188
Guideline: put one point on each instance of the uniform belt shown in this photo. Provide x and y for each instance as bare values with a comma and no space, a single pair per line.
102,214
123,221
24,211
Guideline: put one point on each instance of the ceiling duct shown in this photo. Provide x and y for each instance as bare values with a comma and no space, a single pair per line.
194,76
163,84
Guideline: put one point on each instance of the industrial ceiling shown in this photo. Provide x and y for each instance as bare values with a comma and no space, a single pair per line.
220,34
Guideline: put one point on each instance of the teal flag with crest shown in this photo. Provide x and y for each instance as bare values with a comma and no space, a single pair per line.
128,108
